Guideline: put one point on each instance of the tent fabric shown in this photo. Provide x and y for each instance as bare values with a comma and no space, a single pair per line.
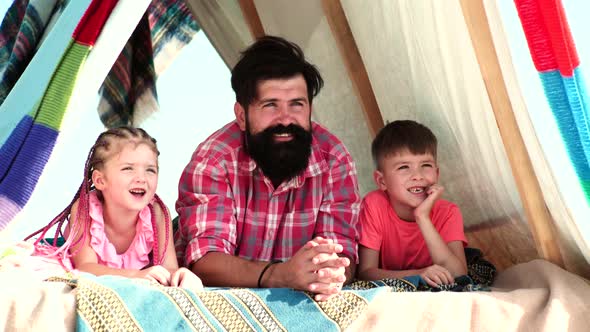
128,94
555,57
30,135
226,34
556,177
27,149
422,65
21,33
33,81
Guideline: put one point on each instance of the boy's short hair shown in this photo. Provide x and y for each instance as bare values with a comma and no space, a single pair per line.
402,135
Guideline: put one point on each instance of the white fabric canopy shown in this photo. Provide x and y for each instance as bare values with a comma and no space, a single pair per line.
422,65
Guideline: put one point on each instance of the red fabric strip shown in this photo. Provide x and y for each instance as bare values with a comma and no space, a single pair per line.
93,20
548,35
536,34
562,41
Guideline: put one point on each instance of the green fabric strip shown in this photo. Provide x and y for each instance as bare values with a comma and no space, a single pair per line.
586,188
33,112
56,98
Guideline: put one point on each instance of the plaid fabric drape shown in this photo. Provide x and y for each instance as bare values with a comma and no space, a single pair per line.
128,94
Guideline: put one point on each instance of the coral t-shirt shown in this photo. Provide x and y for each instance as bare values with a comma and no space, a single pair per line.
400,243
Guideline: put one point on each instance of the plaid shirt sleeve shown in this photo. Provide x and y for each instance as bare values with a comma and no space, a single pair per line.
205,208
339,210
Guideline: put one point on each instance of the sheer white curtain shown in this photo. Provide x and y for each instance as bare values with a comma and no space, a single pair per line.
422,66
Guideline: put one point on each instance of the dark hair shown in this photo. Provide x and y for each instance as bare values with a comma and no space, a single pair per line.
403,134
108,144
272,57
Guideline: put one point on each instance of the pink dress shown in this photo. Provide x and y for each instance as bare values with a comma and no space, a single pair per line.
137,255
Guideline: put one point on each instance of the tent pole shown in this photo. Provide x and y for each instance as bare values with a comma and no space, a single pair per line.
216,24
250,13
354,64
539,219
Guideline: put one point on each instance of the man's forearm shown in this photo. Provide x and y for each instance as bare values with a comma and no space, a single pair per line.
220,269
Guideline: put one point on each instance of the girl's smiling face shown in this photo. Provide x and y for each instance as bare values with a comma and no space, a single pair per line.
129,178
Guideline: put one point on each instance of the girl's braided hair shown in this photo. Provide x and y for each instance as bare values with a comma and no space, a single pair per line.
108,144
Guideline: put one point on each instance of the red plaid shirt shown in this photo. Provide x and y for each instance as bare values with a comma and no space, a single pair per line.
226,204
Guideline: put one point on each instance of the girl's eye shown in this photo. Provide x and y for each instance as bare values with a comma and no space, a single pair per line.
403,167
128,168
427,165
152,170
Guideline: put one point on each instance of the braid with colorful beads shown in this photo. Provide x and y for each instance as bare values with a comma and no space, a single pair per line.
157,259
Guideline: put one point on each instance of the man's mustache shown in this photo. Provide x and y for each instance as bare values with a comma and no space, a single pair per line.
282,129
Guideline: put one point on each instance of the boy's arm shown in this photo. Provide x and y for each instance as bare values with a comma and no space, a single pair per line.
368,268
371,217
433,275
450,256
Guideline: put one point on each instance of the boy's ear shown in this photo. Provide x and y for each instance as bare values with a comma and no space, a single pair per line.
240,113
379,180
98,179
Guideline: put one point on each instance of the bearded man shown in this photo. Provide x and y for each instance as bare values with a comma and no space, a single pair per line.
271,199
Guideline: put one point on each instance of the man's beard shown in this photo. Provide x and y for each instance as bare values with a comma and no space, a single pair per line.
280,160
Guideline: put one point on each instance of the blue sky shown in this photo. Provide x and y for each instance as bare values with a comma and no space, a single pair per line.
196,98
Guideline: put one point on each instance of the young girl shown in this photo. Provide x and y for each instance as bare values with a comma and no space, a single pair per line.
116,224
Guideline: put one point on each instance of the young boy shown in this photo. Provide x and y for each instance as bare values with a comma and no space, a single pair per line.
406,228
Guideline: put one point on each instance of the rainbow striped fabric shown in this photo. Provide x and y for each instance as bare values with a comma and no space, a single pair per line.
26,147
555,57
43,48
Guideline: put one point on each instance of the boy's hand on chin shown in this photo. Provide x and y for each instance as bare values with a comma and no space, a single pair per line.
422,211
